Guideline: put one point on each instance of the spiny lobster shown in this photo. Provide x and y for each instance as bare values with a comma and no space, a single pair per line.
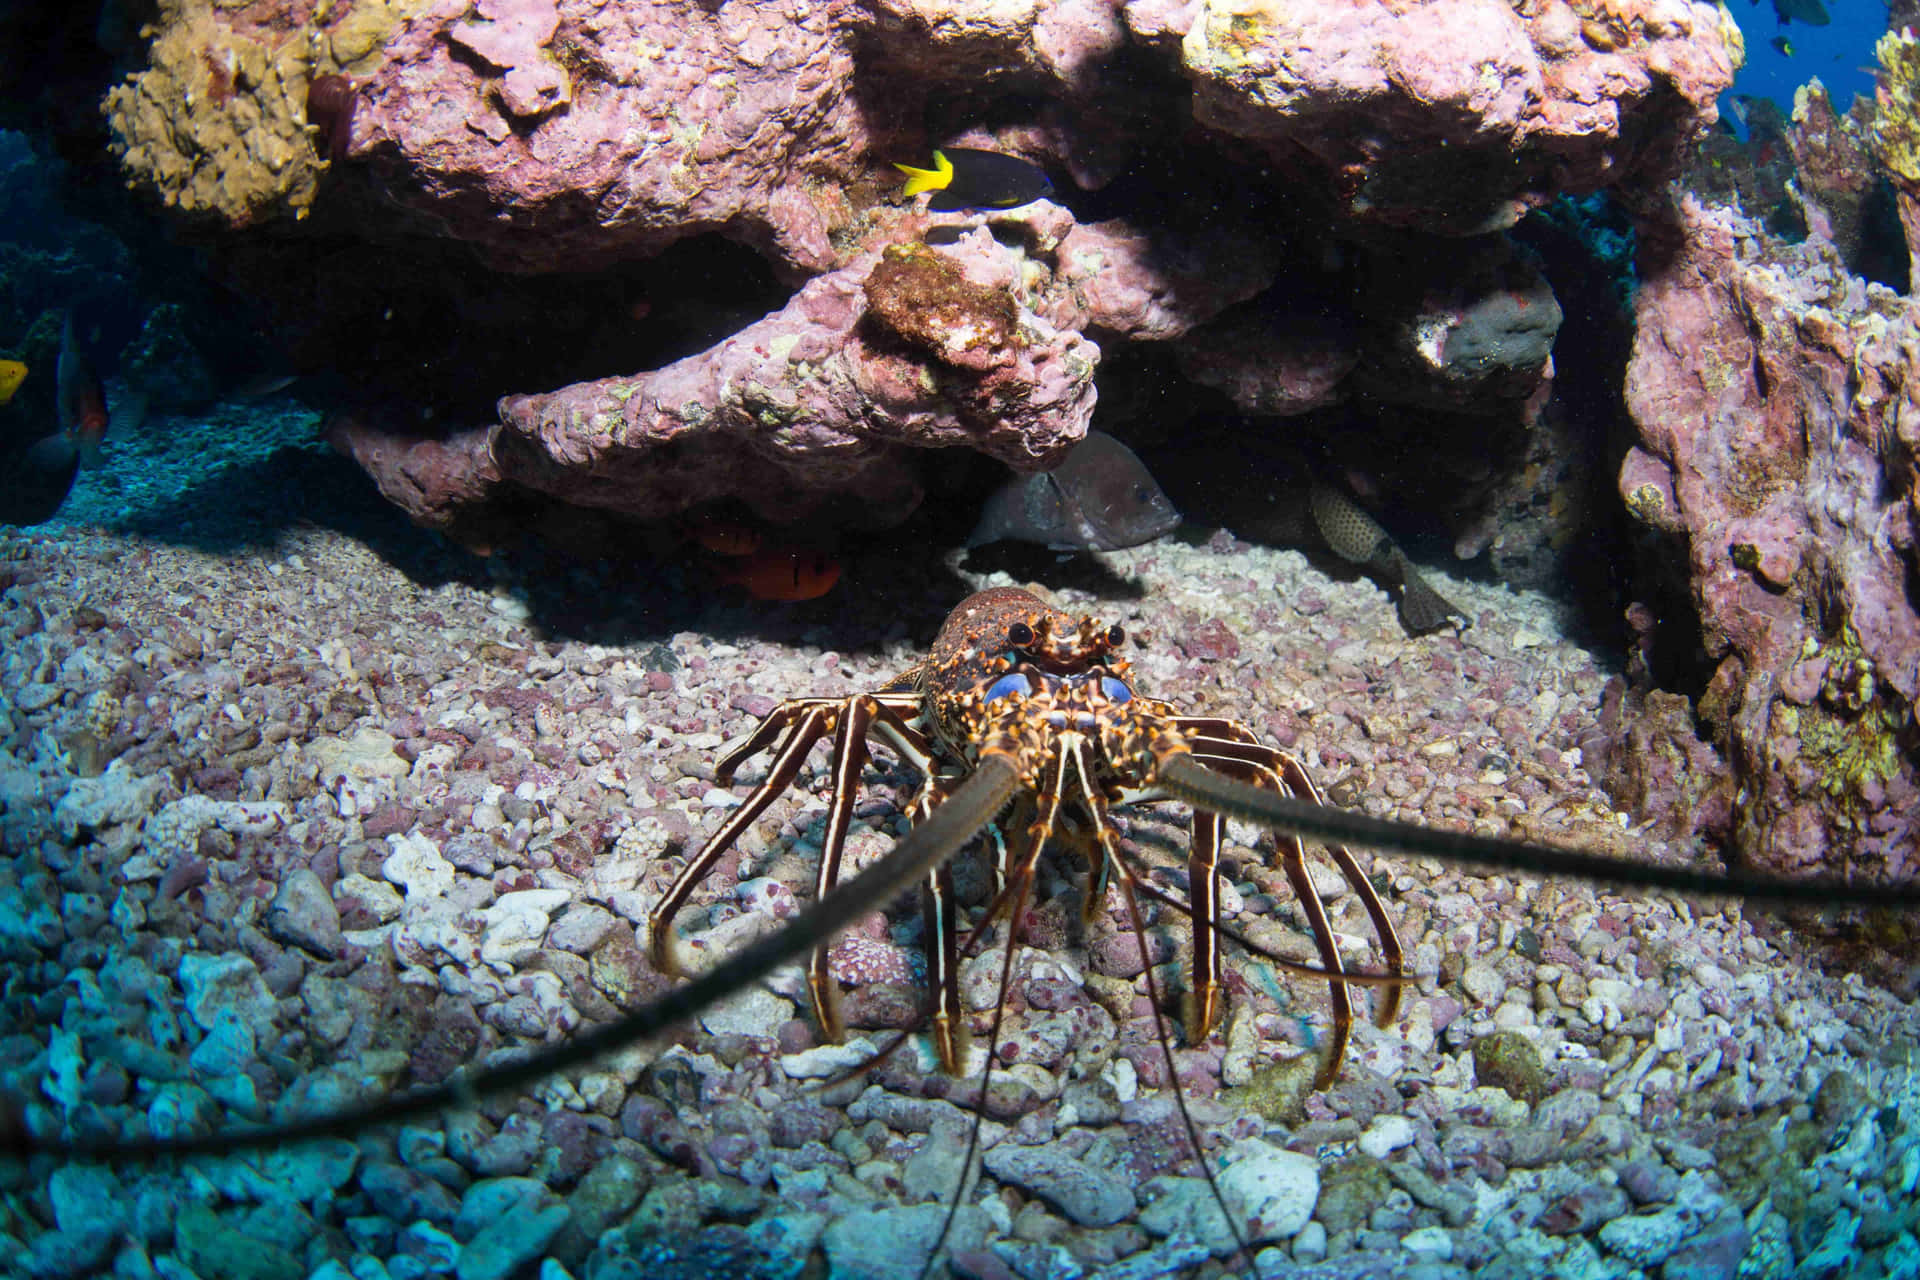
1018,691
1017,705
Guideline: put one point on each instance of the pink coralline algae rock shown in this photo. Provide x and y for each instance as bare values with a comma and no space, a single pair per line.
433,481
1061,42
1152,285
1273,365
514,35
1773,394
562,134
1469,327
831,394
861,960
581,136
1455,115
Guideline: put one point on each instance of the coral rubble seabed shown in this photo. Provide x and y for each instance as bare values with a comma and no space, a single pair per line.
293,828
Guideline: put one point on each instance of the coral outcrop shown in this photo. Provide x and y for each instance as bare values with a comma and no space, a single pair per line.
896,352
1896,127
568,135
1209,147
1774,396
216,124
1458,115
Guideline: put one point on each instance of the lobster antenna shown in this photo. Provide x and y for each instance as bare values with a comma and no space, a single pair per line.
1186,779
974,804
1127,882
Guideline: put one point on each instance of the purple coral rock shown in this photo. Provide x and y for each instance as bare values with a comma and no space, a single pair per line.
1521,106
1210,641
1714,1254
859,961
805,404
478,116
800,1121
576,1142
1583,1211
766,896
1799,543
1271,365
1649,1181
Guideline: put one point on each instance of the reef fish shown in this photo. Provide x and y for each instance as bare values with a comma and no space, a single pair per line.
962,178
82,401
37,479
12,374
1357,536
1100,498
781,574
39,476
1810,12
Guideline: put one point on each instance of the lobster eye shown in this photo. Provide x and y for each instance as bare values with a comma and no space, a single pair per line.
1115,636
1020,634
1012,682
1116,690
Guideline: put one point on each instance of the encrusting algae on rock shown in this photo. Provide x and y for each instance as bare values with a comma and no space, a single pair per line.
217,123
925,299
1896,123
1849,732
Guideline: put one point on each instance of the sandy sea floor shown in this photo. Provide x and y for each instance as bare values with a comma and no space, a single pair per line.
301,806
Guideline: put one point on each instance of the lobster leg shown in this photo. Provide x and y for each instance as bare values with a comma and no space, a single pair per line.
943,970
1201,1007
1226,738
1293,861
1300,783
859,716
782,717
806,721
1293,858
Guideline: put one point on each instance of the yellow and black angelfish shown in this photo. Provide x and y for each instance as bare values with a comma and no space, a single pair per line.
962,178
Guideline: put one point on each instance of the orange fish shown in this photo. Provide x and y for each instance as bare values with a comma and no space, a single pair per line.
776,574
82,400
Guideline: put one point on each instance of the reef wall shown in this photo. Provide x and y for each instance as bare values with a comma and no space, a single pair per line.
557,136
1774,397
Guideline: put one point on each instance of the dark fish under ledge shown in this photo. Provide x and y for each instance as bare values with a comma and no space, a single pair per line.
1101,498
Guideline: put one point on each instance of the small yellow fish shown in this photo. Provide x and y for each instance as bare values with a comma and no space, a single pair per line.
12,374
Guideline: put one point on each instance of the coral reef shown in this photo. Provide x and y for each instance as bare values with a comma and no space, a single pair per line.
897,350
1773,395
216,124
1896,127
569,135
562,136
1459,115
1834,170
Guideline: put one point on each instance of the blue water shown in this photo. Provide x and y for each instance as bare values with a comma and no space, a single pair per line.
1839,54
